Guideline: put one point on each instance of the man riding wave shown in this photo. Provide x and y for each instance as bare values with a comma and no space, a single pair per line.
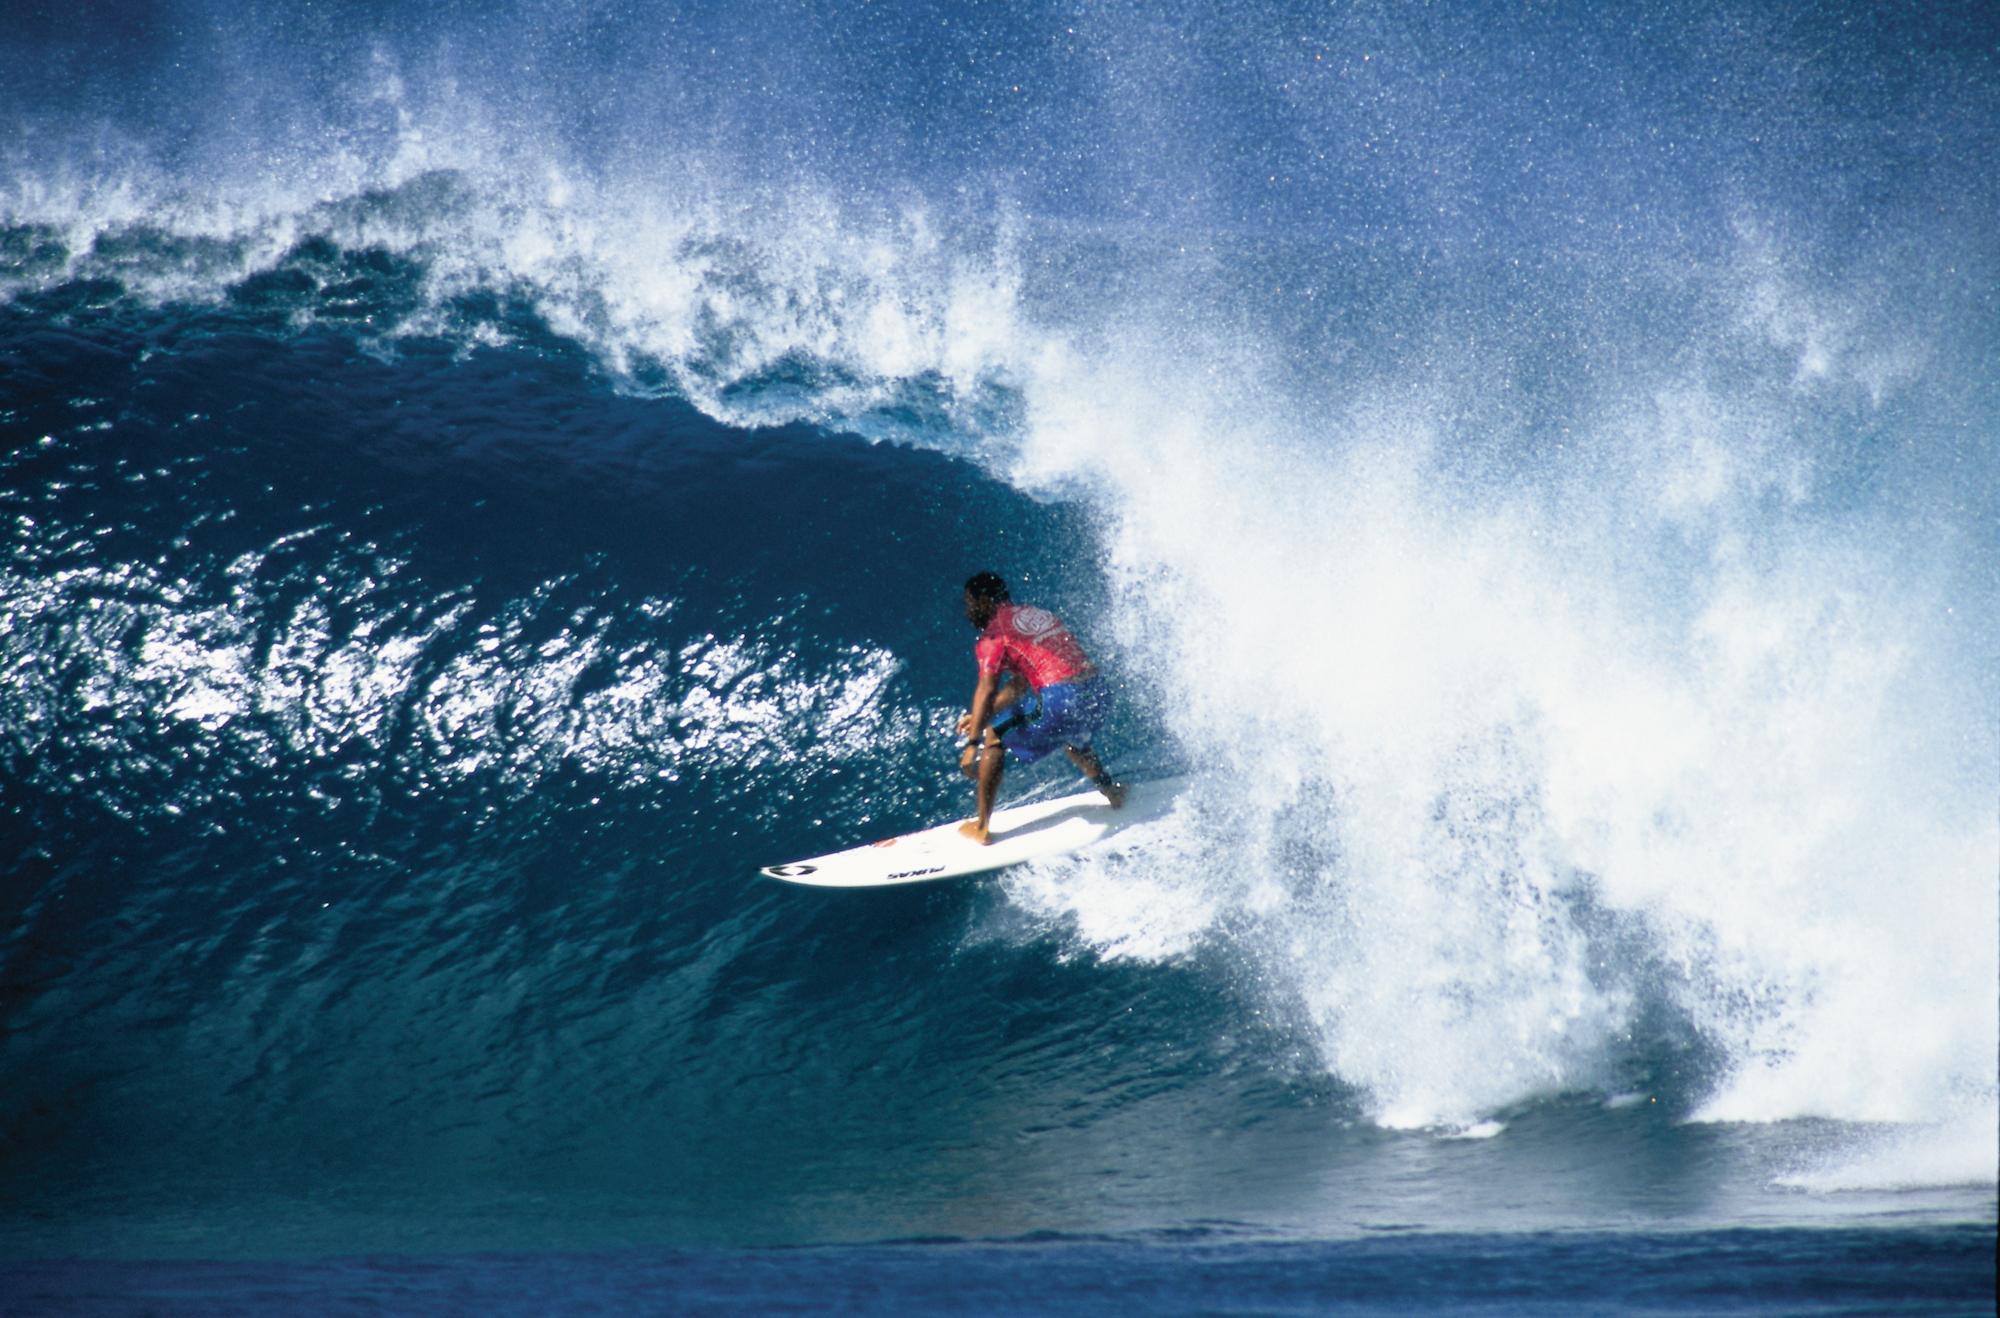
1051,696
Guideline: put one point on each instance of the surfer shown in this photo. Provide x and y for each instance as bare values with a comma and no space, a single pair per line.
1051,696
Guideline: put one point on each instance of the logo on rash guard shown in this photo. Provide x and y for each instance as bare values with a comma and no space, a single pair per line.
1031,621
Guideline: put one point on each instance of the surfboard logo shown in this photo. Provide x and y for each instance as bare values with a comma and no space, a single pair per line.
911,874
1031,621
791,871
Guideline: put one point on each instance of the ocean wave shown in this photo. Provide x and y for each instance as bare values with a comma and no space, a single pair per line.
1574,628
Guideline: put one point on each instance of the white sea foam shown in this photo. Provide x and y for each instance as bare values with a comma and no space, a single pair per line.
1678,688
1965,1151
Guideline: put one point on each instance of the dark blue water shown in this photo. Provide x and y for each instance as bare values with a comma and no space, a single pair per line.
1793,1272
480,480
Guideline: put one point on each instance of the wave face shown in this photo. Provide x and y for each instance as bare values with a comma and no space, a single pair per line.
480,481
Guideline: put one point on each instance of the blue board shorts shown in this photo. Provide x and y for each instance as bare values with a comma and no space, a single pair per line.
1061,714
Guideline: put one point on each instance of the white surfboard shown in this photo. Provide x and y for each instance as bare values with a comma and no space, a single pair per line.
1020,833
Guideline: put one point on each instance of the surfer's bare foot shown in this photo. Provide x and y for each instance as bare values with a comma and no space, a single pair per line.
1113,792
972,829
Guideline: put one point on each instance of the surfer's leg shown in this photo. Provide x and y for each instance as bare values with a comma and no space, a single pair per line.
1085,759
992,764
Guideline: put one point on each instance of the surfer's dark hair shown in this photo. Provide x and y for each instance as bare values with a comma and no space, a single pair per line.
987,586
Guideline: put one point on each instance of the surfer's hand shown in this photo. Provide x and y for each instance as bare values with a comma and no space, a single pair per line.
965,725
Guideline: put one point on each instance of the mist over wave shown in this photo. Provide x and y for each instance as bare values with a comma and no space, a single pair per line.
1540,469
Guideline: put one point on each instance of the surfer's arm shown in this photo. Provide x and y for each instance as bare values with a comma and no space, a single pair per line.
997,696
985,703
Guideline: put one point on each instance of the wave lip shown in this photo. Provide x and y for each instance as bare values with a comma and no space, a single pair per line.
806,310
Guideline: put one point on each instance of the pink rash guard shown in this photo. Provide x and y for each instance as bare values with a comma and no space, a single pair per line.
1033,643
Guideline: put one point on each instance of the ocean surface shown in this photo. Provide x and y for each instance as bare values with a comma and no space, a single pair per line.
479,480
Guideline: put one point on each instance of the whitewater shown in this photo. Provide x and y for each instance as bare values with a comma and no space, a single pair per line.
480,482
